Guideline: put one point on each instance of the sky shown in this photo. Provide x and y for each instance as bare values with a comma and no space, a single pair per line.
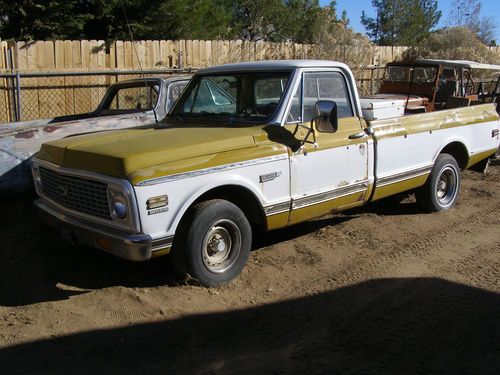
489,8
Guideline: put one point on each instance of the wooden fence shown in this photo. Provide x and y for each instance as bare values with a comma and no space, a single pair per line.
95,55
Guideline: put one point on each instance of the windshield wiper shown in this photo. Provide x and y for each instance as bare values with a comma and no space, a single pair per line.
214,114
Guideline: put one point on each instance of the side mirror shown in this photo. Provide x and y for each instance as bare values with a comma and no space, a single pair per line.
326,118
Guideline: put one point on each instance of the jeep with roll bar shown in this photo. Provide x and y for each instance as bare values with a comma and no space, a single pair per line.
429,84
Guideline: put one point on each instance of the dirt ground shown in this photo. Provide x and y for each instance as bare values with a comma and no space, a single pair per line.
385,289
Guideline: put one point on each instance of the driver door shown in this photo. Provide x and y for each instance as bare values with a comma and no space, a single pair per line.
333,173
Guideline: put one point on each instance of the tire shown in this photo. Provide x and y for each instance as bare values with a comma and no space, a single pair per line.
214,243
441,189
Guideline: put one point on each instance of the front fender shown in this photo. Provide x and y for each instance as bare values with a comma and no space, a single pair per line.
182,193
233,180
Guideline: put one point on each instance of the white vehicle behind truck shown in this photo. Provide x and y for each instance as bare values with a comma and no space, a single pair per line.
266,144
126,104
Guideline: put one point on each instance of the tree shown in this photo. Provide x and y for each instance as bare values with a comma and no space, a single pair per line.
336,41
455,43
465,13
41,19
401,22
110,19
276,20
271,20
487,28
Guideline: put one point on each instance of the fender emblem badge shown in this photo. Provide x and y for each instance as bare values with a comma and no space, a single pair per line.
269,176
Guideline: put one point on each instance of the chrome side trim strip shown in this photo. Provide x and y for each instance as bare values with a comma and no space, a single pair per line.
162,243
330,194
220,168
277,208
383,181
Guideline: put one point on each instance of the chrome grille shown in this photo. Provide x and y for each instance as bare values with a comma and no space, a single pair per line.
76,193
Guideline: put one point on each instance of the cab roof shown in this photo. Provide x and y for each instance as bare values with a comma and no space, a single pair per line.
268,65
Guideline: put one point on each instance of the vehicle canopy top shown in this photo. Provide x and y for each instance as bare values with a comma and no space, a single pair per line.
460,64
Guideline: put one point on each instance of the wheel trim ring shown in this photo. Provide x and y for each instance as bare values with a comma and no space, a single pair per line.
447,186
221,261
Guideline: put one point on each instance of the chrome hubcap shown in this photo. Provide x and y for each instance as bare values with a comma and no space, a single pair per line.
221,246
446,187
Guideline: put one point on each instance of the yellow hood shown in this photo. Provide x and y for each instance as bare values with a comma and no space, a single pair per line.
121,153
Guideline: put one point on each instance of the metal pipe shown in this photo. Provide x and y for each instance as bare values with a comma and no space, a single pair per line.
18,92
495,92
13,104
180,60
462,91
10,65
410,86
94,73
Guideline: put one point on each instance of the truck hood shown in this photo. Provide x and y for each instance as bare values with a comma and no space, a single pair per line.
120,153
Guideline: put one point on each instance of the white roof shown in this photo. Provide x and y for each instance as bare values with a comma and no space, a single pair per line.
461,63
273,65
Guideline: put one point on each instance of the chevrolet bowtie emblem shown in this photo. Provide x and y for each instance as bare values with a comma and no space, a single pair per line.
61,190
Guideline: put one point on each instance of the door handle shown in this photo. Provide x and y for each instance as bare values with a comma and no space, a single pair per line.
358,135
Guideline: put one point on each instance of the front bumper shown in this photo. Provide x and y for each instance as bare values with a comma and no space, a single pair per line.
136,247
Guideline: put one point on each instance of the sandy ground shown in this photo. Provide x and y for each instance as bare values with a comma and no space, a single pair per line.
385,289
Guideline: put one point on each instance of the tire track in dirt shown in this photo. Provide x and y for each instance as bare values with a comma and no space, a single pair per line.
475,221
384,265
471,268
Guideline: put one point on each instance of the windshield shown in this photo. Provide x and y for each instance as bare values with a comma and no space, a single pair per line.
421,74
233,97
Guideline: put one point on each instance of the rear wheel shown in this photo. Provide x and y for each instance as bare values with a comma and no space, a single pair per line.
441,190
215,243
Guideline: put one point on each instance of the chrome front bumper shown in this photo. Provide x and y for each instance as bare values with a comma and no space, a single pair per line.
136,247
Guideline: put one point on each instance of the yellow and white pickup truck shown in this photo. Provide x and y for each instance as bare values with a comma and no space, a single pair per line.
262,144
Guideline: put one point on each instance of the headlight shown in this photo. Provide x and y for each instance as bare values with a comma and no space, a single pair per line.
118,205
36,177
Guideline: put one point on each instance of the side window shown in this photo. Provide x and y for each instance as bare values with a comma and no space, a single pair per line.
174,90
325,86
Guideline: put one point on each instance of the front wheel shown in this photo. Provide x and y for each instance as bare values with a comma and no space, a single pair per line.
441,189
216,243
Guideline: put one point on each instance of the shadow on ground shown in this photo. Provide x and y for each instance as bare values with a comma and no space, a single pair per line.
36,265
385,326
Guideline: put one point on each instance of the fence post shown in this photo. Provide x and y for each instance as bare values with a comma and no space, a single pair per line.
372,69
14,114
180,60
18,95
13,106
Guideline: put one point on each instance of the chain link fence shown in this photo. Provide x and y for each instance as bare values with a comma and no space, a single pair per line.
33,96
